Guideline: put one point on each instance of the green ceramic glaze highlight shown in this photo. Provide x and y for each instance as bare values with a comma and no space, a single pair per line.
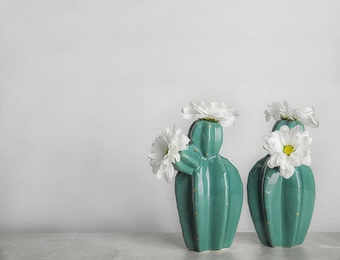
209,190
281,209
255,199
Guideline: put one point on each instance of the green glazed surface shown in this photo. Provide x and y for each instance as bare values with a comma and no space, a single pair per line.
208,189
281,209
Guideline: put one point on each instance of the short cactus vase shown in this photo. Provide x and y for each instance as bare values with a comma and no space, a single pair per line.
281,209
208,189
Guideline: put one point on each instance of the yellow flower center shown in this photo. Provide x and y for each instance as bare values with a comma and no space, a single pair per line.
288,149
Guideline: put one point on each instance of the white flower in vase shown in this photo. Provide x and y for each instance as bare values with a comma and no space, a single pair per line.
288,148
165,151
212,111
305,115
279,111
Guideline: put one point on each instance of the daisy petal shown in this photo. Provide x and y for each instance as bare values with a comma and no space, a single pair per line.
306,115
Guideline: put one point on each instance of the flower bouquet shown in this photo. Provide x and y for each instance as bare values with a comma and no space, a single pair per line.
208,187
281,187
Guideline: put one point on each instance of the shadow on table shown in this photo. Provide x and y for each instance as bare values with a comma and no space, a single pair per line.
176,242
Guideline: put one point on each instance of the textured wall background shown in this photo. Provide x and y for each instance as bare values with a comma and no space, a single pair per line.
85,86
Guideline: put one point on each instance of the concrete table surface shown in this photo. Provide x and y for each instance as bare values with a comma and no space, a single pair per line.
160,246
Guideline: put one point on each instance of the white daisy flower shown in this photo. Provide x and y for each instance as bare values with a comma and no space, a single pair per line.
279,111
165,151
305,115
288,148
213,111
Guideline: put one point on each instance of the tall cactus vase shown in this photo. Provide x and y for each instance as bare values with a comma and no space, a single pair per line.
208,189
281,208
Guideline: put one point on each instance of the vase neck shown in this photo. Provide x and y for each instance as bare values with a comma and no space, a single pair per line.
207,137
289,123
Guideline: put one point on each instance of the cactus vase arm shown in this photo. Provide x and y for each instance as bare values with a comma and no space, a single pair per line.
190,160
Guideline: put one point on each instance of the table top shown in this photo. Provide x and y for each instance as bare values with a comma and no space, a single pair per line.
104,246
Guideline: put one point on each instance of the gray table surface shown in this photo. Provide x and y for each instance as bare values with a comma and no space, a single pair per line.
103,246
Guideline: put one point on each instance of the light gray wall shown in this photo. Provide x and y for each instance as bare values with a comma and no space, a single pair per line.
85,86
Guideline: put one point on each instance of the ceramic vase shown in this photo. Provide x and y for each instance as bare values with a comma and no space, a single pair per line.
208,189
281,209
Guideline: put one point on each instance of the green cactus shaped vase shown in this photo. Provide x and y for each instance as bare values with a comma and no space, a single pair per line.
208,189
281,209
